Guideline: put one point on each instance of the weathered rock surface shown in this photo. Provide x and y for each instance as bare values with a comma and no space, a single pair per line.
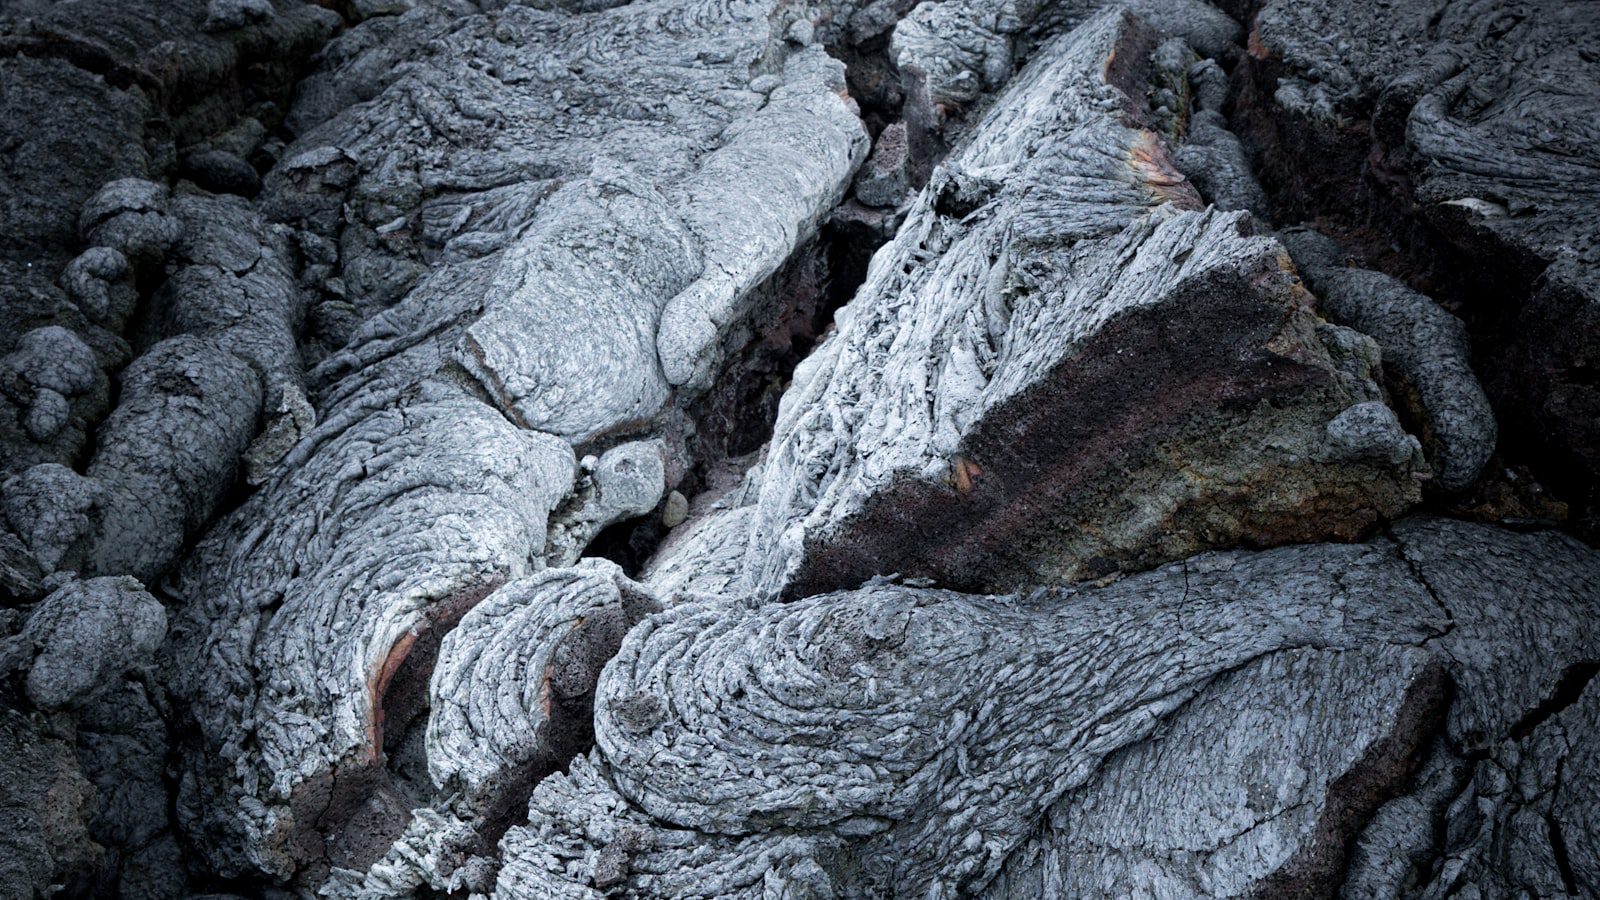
226,358
950,53
1426,355
1470,126
97,91
88,634
44,801
1084,702
391,503
1211,155
1062,367
123,748
1528,822
1309,741
85,790
594,258
555,630
509,701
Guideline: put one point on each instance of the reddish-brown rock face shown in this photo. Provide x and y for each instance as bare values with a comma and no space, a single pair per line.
761,448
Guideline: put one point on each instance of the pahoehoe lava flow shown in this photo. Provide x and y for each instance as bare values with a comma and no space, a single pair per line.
799,449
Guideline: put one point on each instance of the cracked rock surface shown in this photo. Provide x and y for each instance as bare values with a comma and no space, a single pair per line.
799,449
975,393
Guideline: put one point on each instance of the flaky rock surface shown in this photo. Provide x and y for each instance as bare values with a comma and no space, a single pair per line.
980,391
798,449
450,421
1005,775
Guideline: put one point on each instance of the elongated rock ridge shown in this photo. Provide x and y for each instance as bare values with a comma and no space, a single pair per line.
1462,129
977,419
1023,726
795,449
449,422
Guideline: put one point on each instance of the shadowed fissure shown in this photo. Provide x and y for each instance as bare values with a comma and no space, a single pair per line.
676,448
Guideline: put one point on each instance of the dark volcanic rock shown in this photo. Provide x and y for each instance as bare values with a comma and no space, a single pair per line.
1061,367
1025,729
798,449
1426,354
45,802
1467,130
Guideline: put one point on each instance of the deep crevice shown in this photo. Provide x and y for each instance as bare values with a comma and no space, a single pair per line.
1352,182
734,418
1558,849
1568,688
629,543
1384,772
733,421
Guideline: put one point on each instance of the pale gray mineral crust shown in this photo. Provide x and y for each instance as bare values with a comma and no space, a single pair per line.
533,449
1162,733
1063,365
